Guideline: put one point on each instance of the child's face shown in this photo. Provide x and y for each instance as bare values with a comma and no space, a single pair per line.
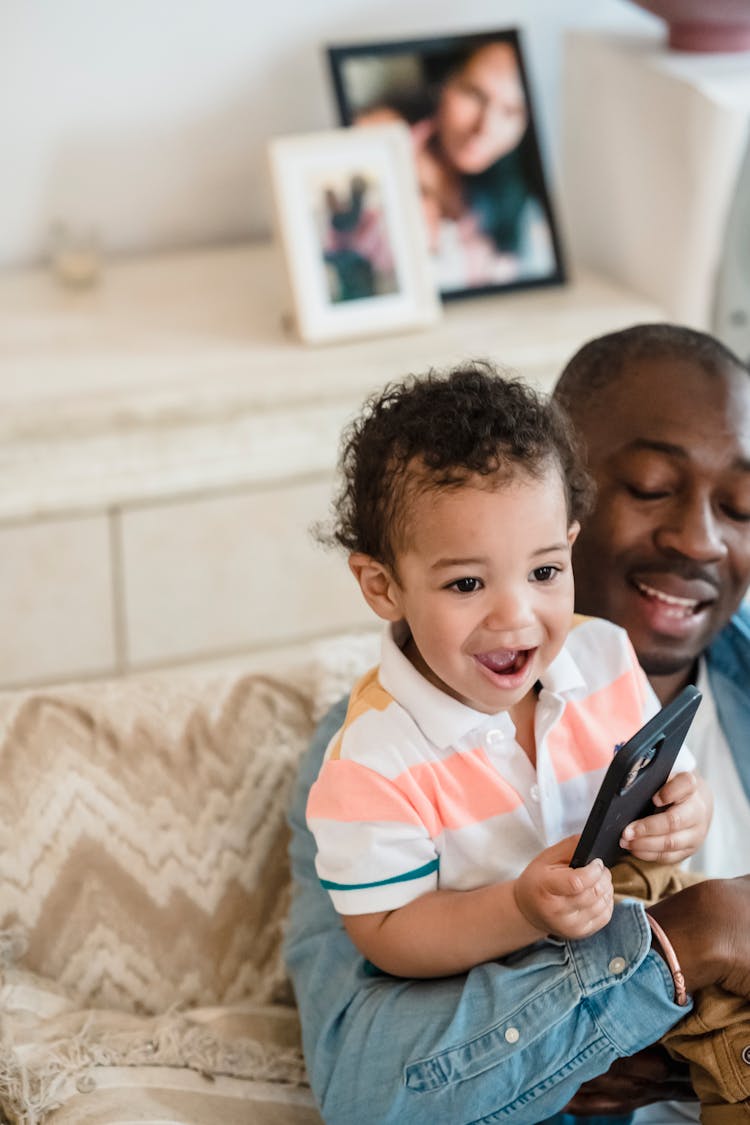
486,586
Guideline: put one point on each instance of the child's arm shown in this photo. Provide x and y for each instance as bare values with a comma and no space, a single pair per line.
679,831
445,931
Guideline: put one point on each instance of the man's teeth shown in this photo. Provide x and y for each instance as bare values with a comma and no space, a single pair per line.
682,607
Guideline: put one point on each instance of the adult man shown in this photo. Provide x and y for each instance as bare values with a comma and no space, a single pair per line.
664,415
464,1048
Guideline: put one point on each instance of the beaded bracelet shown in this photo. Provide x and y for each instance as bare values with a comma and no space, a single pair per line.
680,991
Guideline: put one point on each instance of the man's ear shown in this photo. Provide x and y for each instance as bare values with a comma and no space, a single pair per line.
378,586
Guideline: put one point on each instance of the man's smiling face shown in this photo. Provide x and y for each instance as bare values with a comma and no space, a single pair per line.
666,553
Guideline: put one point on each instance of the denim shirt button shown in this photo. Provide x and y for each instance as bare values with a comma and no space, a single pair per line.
512,1035
618,965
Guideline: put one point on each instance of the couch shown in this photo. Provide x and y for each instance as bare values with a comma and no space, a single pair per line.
144,889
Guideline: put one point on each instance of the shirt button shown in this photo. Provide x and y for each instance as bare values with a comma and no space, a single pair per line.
745,1055
512,1035
534,792
618,965
494,737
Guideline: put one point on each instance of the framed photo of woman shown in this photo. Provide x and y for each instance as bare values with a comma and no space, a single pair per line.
467,104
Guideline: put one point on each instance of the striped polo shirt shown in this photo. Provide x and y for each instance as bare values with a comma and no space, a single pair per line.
419,791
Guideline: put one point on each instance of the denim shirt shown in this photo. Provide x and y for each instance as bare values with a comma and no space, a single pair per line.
728,664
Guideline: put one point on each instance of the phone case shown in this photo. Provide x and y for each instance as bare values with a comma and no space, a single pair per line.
638,770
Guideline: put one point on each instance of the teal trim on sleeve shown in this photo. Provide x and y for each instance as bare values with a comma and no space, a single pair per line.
417,873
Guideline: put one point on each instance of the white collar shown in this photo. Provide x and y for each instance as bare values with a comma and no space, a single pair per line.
443,719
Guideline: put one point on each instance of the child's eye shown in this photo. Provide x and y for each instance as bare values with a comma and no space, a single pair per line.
544,573
465,585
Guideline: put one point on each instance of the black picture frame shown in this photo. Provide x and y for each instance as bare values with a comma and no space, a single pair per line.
494,229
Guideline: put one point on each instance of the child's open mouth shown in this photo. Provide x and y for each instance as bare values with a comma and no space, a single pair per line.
506,662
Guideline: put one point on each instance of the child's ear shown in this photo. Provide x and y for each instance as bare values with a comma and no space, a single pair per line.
378,586
573,530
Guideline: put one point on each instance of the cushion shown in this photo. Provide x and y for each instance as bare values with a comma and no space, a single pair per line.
143,836
145,883
337,664
232,1064
131,1097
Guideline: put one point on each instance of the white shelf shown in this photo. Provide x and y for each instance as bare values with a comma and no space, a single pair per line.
164,446
175,376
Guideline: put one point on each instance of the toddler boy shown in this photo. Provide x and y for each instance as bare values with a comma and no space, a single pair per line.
449,805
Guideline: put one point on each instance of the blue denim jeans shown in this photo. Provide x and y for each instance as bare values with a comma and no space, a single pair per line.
509,1041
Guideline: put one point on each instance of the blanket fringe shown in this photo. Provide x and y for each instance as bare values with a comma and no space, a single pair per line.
32,1087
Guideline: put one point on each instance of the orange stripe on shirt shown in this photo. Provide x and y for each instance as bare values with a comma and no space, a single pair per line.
461,790
464,788
368,694
346,791
577,743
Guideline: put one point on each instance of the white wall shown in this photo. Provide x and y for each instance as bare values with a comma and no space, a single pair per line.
147,118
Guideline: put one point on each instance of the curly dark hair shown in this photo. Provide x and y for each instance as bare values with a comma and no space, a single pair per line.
434,431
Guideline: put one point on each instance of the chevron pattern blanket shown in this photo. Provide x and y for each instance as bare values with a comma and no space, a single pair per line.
144,887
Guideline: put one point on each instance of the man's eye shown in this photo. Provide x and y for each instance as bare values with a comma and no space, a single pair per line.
736,515
544,573
646,493
465,585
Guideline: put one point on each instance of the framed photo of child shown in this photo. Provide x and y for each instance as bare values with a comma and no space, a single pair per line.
350,224
467,104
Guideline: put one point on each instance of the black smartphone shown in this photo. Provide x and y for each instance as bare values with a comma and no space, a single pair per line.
638,770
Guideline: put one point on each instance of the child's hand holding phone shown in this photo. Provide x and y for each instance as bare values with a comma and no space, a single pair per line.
561,900
625,804
677,832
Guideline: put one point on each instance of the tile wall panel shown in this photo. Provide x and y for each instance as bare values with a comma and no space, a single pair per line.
222,574
56,600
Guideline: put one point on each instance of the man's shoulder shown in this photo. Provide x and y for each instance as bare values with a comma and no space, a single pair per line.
729,652
739,625
728,665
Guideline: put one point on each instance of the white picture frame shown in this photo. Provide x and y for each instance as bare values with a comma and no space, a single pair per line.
351,229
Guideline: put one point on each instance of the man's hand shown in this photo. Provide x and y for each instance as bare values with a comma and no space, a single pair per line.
630,1083
561,900
708,925
678,832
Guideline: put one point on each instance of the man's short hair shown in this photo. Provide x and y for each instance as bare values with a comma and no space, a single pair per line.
601,361
437,431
